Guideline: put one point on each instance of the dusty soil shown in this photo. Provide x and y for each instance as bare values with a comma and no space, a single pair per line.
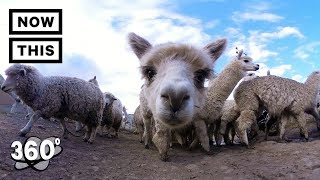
126,158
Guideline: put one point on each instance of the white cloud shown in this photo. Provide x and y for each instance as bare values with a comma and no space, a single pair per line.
212,24
299,78
256,43
257,11
283,32
306,50
96,31
255,16
280,70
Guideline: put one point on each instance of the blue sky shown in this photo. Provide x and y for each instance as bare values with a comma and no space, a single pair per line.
282,36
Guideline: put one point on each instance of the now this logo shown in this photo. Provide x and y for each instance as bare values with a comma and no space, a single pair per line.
31,49
35,153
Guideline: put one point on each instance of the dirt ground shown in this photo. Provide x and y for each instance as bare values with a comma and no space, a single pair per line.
126,158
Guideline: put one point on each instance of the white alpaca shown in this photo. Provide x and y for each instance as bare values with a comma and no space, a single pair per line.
174,77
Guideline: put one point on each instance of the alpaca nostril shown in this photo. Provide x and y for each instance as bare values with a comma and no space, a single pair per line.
187,97
2,88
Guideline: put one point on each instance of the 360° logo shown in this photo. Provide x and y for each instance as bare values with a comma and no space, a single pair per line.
35,153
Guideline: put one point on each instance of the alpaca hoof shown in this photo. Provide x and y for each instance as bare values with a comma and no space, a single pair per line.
146,146
306,139
206,148
90,141
211,142
283,141
85,139
141,141
250,147
164,157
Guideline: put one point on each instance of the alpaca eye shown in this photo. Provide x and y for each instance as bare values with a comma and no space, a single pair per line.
246,61
149,72
200,76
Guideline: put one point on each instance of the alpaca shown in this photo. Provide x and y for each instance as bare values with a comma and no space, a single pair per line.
217,92
57,97
283,98
174,90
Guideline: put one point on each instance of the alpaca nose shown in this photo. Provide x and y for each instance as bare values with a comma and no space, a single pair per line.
257,67
176,96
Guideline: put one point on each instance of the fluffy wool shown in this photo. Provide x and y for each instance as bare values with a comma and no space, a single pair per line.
283,98
218,91
112,114
56,96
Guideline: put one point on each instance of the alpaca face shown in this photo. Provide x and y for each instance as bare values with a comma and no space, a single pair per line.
247,64
174,77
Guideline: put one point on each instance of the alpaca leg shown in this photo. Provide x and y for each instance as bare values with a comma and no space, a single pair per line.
217,136
226,135
147,132
161,141
282,126
201,131
211,129
29,125
302,124
244,122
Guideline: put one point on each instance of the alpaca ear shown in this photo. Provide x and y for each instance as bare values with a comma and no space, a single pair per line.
216,48
268,73
94,77
139,45
22,72
240,54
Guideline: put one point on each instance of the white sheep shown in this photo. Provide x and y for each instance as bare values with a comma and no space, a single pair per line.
283,98
57,97
112,116
174,90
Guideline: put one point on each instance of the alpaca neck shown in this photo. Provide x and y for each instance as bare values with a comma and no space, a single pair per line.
221,87
312,84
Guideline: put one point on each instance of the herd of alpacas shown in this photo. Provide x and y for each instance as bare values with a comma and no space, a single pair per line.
175,105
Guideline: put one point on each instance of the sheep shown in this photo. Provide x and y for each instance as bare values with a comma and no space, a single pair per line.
112,115
217,92
79,125
283,98
138,123
57,97
174,90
